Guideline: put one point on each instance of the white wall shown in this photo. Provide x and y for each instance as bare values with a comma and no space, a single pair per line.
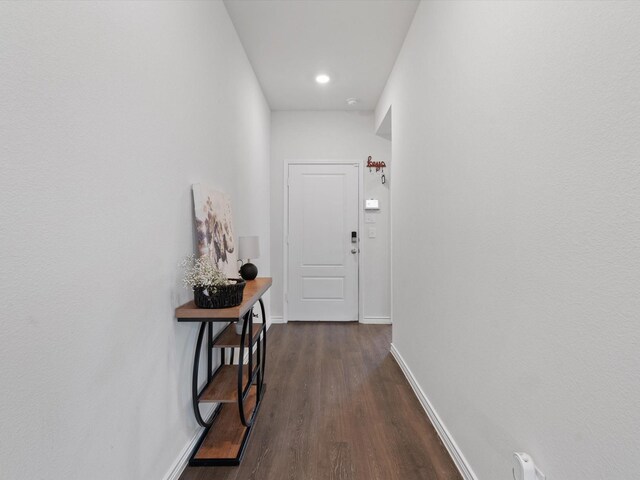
516,178
333,135
109,112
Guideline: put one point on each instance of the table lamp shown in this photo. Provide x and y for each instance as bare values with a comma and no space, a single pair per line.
248,248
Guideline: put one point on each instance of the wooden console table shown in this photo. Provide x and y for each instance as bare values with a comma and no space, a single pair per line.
237,389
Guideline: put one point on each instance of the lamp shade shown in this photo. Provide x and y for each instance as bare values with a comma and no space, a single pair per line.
248,247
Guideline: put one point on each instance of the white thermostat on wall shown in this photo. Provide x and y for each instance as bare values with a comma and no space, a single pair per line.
371,205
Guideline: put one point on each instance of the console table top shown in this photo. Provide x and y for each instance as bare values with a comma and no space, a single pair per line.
252,292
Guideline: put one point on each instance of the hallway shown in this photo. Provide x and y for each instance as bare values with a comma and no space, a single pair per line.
461,177
337,407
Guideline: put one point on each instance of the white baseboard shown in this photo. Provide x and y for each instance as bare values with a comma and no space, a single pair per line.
445,436
183,459
371,320
377,320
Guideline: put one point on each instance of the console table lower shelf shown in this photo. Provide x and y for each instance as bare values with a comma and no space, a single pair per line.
224,442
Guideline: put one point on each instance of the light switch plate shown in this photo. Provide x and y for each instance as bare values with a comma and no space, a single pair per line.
371,204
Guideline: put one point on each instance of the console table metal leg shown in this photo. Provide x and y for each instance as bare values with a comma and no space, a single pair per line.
264,349
194,381
247,322
209,352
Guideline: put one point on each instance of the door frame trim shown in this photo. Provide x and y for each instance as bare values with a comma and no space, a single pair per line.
285,228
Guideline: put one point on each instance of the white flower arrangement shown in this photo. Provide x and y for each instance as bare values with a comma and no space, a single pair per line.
202,273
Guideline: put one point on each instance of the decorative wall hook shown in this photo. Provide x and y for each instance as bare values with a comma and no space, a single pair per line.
378,166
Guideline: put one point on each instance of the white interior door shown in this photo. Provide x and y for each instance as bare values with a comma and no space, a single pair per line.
322,259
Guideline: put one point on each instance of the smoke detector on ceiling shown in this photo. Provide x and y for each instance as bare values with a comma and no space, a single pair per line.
352,101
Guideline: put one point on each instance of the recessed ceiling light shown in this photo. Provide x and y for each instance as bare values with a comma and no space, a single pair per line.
352,101
322,78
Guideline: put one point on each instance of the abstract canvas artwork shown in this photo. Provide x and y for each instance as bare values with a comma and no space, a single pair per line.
214,228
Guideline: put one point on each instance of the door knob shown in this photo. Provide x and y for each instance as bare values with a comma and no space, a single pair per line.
354,250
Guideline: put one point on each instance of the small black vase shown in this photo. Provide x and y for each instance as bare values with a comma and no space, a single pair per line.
248,271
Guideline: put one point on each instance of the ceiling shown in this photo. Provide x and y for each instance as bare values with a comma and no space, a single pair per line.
289,42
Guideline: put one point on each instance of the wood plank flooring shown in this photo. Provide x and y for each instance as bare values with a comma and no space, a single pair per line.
337,407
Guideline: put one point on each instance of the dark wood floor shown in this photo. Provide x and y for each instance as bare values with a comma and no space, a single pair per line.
337,407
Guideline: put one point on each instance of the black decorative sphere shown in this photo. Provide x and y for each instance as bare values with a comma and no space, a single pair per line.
248,271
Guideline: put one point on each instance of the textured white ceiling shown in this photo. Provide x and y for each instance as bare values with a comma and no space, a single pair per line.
290,41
